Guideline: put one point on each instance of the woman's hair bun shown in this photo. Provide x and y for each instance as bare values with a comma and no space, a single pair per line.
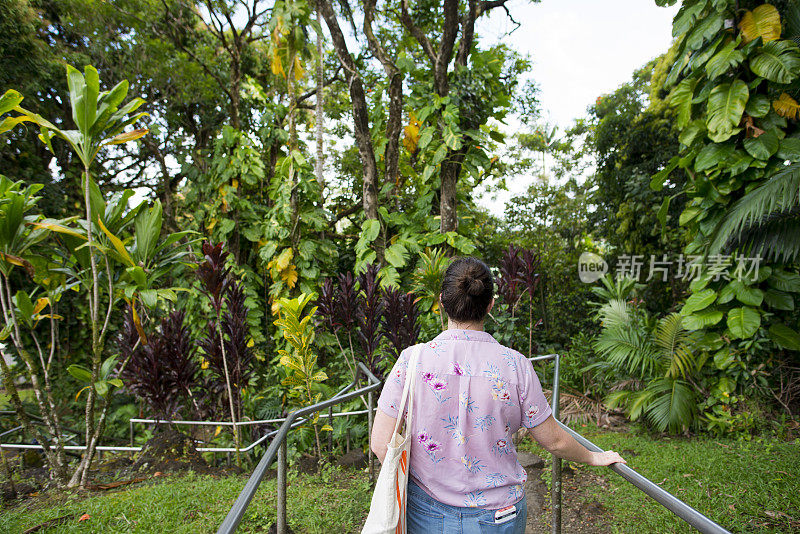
475,287
467,288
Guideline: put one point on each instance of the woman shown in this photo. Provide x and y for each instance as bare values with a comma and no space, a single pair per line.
472,394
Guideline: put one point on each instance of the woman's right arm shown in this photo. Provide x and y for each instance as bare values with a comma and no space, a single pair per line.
556,440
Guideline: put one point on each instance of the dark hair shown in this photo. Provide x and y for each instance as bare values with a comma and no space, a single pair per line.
467,289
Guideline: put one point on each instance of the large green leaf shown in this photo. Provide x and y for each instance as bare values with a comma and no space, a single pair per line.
80,372
784,336
779,62
745,294
705,30
702,319
724,60
396,255
779,300
743,322
687,17
762,147
681,99
725,107
789,149
785,281
757,106
370,230
9,101
148,229
699,301
711,155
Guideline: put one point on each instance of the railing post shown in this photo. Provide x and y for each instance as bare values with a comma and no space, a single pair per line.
370,418
556,494
330,434
130,423
282,526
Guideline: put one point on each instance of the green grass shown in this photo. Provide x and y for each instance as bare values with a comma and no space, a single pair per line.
335,499
745,486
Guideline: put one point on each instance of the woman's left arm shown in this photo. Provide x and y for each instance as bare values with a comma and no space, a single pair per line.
382,429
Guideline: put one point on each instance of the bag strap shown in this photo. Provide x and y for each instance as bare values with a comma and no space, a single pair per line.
408,389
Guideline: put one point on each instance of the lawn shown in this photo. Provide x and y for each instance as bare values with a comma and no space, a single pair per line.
197,504
745,486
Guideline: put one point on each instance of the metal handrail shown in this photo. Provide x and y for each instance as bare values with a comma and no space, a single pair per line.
696,519
277,446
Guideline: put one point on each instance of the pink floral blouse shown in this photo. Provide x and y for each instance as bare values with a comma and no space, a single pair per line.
471,395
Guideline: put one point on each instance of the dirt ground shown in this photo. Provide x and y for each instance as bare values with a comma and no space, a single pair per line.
581,513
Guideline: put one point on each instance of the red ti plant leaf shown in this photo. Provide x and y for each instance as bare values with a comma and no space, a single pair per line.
508,283
369,316
213,274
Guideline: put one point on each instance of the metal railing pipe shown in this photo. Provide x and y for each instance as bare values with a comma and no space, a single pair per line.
556,497
237,511
696,519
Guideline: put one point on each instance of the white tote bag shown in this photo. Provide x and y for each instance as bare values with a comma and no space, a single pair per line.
387,513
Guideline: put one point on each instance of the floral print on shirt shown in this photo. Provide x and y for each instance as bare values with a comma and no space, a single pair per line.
471,395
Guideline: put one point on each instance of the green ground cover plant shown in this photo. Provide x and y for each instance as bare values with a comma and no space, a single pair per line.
195,503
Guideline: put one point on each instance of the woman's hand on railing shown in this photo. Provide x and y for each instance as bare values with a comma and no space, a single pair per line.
606,458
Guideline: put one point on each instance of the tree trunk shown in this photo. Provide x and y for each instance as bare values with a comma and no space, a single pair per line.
360,115
319,112
451,168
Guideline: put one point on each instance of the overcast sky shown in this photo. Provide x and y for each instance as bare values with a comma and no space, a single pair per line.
580,50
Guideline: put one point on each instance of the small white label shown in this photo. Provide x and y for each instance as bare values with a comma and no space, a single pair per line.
506,514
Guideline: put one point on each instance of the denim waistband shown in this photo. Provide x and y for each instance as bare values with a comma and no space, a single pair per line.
420,494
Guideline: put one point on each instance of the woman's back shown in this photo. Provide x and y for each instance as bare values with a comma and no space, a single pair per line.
471,395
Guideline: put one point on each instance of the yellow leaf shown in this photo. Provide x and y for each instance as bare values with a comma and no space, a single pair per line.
764,21
275,308
235,183
128,136
218,430
275,64
786,106
16,260
411,137
204,364
299,71
53,227
326,428
289,275
81,391
211,224
137,322
117,242
251,343
40,305
284,259
222,191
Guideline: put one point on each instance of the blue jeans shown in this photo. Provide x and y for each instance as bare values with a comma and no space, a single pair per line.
425,515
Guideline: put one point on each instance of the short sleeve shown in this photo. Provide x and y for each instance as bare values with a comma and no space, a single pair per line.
393,386
532,402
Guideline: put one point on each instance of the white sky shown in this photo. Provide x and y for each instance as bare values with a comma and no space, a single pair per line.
580,49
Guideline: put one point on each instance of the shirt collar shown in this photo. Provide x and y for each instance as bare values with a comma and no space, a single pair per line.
465,335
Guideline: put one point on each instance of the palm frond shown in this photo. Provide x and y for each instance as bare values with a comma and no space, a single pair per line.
626,348
673,339
615,313
752,215
775,239
672,404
